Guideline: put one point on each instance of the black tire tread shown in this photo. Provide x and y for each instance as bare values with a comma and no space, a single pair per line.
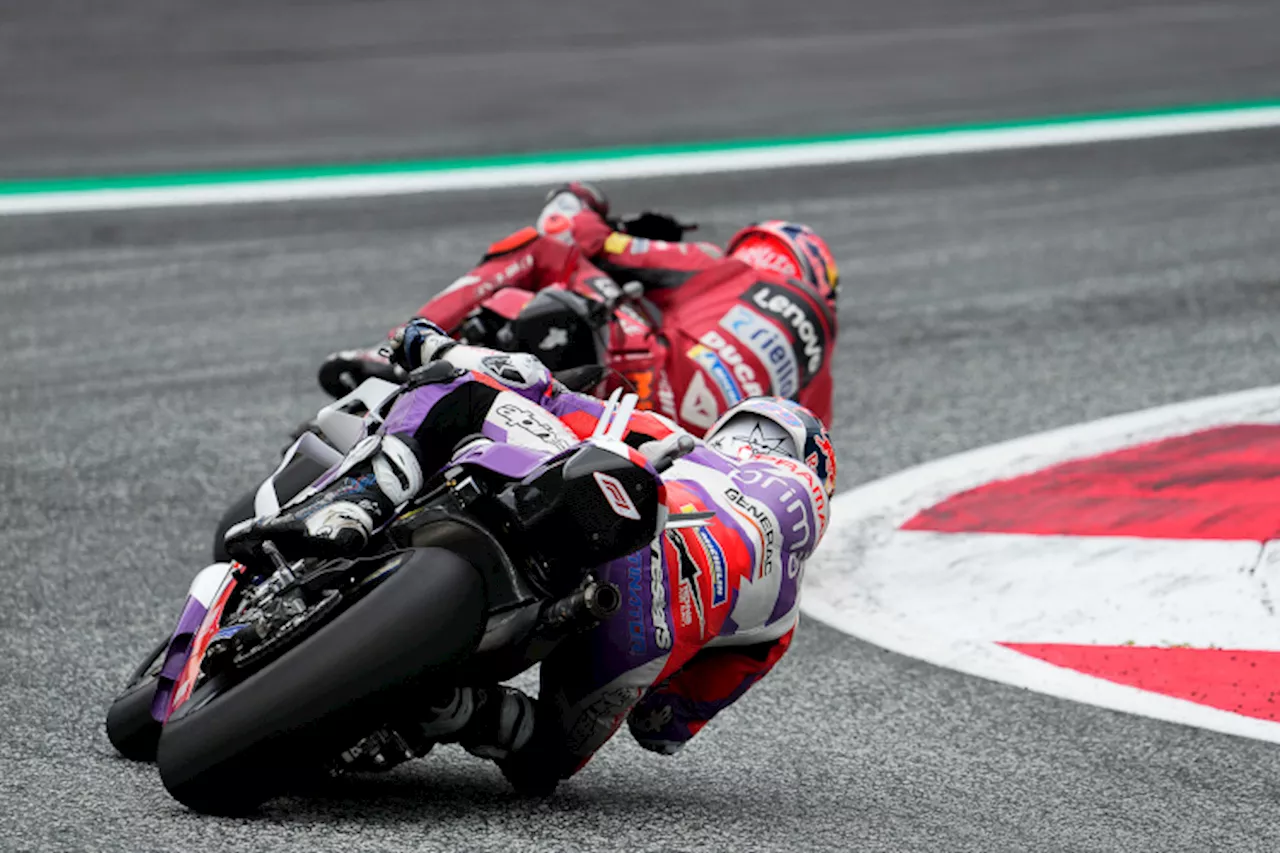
252,742
130,727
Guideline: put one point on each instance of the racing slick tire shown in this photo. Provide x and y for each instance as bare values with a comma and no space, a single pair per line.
229,749
130,727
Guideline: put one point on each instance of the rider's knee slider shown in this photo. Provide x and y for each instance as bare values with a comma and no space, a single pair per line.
396,468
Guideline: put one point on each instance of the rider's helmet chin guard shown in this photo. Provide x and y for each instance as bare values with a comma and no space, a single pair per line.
772,426
789,248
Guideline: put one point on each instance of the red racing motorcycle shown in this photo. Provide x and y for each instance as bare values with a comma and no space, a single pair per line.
592,345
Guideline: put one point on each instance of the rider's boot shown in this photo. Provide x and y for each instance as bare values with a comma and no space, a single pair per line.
379,474
489,722
500,725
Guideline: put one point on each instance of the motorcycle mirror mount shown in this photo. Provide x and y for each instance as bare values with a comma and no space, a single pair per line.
663,454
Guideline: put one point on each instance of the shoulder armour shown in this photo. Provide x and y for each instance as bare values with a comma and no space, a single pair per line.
510,243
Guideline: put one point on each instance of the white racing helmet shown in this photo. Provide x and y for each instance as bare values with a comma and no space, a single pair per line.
772,426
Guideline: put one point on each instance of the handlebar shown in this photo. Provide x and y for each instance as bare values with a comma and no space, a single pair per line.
602,309
629,292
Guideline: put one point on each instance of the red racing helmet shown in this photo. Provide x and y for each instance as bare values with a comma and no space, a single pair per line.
788,248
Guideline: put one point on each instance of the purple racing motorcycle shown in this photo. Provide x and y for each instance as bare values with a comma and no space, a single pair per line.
278,673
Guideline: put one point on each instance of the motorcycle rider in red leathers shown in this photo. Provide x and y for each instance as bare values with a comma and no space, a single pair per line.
707,610
759,320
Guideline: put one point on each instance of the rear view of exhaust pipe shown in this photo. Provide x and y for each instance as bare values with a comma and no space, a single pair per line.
582,609
602,600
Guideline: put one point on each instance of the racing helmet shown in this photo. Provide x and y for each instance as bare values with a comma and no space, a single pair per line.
589,194
788,248
773,426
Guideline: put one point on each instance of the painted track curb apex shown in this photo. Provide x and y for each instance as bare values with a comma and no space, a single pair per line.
60,195
867,518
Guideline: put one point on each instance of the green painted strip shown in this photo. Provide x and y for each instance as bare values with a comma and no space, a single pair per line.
173,179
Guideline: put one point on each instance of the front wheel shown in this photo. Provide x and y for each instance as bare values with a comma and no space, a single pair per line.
130,727
228,751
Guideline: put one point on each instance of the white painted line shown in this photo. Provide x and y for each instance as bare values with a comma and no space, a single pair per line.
1091,590
863,582
727,158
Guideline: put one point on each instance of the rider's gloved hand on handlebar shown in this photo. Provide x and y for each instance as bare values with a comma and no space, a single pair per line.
655,226
418,342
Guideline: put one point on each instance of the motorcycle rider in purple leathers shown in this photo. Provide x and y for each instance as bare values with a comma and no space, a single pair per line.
707,610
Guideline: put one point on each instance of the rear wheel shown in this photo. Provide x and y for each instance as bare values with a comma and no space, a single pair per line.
228,751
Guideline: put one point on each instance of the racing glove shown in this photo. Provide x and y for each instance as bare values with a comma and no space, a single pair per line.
418,342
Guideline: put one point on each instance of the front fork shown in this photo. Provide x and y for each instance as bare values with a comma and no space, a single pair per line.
201,616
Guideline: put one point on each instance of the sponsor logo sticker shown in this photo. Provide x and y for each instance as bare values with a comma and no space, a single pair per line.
619,501
519,415
719,372
765,524
658,596
556,338
518,370
743,373
643,382
699,406
769,344
637,643
796,315
812,486
718,564
616,244
763,257
690,598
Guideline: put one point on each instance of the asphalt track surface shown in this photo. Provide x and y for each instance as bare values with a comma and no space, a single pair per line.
154,361
150,85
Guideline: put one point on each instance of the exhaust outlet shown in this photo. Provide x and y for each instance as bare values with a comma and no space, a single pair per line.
583,608
602,600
